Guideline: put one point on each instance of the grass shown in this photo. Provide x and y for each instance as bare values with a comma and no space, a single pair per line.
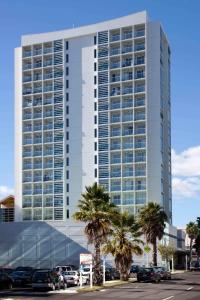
107,285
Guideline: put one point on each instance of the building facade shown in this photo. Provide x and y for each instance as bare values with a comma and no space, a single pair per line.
93,104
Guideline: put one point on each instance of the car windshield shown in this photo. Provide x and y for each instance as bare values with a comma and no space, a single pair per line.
70,273
18,273
41,275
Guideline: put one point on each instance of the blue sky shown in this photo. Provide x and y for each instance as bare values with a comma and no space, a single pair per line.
181,22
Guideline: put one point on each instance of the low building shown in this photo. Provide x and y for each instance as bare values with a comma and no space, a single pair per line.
7,210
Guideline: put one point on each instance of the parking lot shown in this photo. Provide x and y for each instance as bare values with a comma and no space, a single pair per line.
185,286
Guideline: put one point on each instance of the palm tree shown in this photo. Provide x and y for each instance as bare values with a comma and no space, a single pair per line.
96,210
192,232
152,220
123,243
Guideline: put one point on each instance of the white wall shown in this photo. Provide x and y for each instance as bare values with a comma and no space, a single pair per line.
18,134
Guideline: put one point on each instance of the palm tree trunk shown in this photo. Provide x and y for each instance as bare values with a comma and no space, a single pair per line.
97,278
190,258
155,252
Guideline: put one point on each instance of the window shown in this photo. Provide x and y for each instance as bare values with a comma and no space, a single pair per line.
67,174
95,53
67,58
95,40
95,93
67,97
66,45
67,135
95,173
67,161
95,106
95,119
95,66
95,132
67,187
67,213
67,84
67,71
67,200
95,146
95,159
67,122
95,79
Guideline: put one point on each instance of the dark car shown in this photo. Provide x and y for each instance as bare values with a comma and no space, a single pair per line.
164,273
21,278
5,281
134,270
46,279
111,274
148,274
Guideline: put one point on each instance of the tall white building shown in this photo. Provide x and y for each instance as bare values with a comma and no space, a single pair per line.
93,104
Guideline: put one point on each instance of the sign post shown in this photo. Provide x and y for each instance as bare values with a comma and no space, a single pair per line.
86,259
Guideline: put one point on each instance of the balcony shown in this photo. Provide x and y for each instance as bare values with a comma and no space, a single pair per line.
27,153
48,153
27,66
115,78
139,74
27,116
27,78
37,90
27,166
27,192
115,174
114,188
48,88
37,192
116,132
48,165
114,51
140,172
127,49
139,88
127,77
48,126
128,63
140,33
47,178
48,139
141,144
37,102
37,140
115,38
127,35
140,130
139,47
48,101
27,91
48,191
47,63
37,65
115,105
47,76
139,61
27,53
37,166
37,77
47,50
37,115
115,92
140,158
48,113
128,131
115,146
127,103
127,117
27,141
127,145
27,128
139,116
127,90
37,51
115,65
115,119
37,153
139,102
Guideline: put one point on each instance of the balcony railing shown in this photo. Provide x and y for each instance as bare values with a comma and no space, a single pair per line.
47,50
114,105
27,66
48,101
37,77
139,102
139,89
115,51
115,174
115,37
38,127
27,53
115,92
127,35
127,77
48,88
127,131
48,114
27,116
37,65
139,116
139,130
139,47
27,78
115,160
48,76
139,33
127,63
115,119
139,61
127,49
115,65
139,75
115,79
37,90
140,145
27,91
37,51
47,63
127,91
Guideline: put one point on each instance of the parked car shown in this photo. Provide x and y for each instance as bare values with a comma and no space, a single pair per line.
148,274
46,279
5,281
164,273
73,278
134,270
111,274
195,265
59,269
6,270
21,278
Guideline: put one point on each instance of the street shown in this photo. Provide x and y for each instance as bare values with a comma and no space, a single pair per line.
181,287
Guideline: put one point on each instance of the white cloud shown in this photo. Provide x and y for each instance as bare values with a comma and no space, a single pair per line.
186,173
5,191
187,163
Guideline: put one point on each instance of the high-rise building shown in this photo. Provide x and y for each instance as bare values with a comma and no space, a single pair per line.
93,104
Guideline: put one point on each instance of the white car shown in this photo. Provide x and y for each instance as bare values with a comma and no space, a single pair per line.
73,278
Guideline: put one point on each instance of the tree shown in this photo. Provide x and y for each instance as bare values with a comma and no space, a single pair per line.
192,232
123,243
166,252
197,239
96,210
152,220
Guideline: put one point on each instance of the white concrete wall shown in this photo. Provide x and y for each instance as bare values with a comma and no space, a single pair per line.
18,134
81,117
